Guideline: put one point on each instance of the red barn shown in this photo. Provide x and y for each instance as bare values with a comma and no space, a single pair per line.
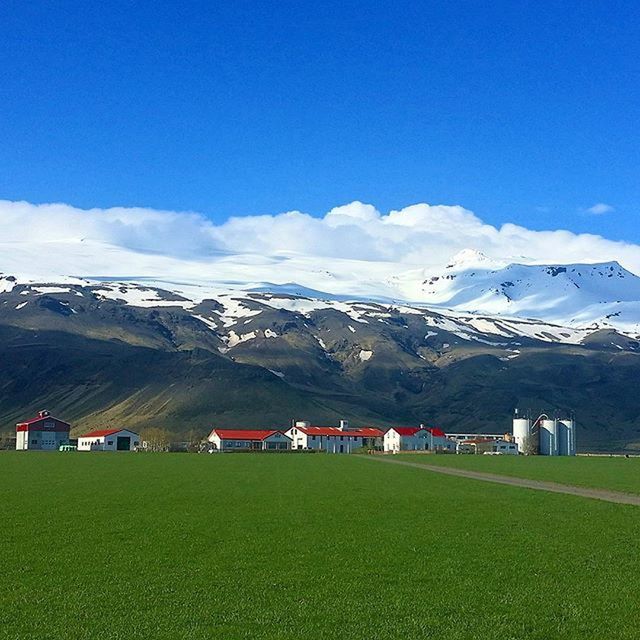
42,433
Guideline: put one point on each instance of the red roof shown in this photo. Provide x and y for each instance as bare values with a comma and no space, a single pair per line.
406,431
244,434
364,432
100,433
411,431
39,418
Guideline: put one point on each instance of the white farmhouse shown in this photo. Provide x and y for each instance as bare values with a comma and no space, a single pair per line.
417,439
340,439
109,440
249,440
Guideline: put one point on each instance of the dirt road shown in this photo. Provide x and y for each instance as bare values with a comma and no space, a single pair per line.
539,485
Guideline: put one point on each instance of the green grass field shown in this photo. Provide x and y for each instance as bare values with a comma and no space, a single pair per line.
619,474
125,546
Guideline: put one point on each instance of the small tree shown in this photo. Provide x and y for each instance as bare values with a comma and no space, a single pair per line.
530,445
195,441
157,438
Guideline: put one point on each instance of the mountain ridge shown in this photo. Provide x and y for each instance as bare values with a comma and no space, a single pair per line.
247,358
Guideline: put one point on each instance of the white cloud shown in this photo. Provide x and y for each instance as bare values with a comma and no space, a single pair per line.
599,208
59,239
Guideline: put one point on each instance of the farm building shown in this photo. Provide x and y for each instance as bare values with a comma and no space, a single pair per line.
546,436
109,440
249,440
417,439
42,433
487,445
342,439
462,437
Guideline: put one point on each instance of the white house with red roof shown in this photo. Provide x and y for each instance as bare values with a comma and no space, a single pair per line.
109,440
417,439
249,440
342,439
42,433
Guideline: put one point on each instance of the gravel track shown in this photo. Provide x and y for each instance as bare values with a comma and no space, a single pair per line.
538,485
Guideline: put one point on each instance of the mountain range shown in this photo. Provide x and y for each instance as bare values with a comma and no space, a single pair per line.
258,341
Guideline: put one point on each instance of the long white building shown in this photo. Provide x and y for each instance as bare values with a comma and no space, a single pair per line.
342,439
109,440
248,440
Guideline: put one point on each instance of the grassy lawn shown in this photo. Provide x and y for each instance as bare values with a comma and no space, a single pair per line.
620,474
125,546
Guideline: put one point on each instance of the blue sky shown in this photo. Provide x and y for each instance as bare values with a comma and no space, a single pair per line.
523,112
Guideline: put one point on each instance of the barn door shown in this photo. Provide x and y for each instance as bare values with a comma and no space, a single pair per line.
48,441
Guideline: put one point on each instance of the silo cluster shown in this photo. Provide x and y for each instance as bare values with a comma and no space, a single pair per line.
545,436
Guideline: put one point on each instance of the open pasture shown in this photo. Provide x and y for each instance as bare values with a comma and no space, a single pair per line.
302,546
600,472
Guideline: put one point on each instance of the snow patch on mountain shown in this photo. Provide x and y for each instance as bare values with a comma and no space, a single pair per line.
210,323
7,283
233,339
134,295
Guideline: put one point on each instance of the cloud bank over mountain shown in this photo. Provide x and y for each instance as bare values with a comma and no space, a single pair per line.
420,234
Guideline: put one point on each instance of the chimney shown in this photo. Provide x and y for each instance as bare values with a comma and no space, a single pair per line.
43,414
344,425
303,424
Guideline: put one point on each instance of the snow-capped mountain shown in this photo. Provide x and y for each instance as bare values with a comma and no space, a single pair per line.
580,296
226,313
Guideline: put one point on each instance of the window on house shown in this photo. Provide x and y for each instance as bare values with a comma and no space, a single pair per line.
313,437
34,442
109,442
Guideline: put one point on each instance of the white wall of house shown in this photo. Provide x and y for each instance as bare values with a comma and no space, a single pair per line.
393,441
338,443
22,441
276,441
226,444
298,439
215,440
40,440
422,440
90,444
